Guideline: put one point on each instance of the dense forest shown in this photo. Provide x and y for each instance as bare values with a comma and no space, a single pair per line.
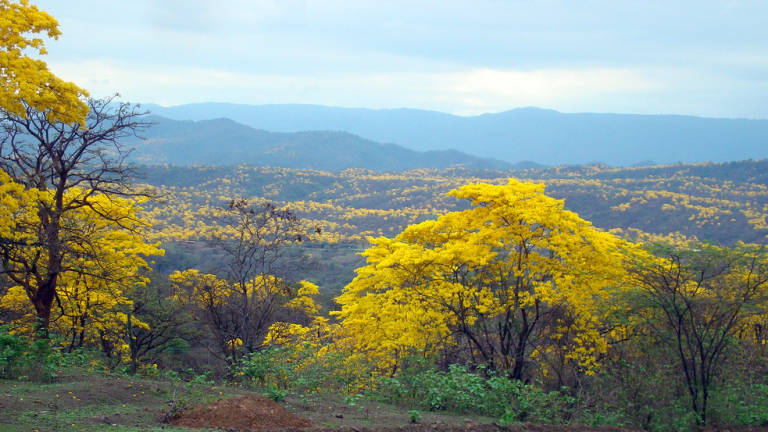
723,202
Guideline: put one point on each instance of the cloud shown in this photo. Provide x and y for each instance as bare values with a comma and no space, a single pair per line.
469,91
492,89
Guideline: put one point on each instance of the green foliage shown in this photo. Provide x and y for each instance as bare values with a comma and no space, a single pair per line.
740,403
353,400
265,367
203,379
533,404
297,368
460,390
275,393
12,349
414,415
195,390
36,359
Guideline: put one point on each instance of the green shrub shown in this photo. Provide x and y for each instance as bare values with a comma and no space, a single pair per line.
533,404
737,403
297,368
12,350
276,394
22,357
414,415
460,390
264,367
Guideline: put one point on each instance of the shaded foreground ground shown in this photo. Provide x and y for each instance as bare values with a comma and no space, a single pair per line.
93,401
88,401
256,413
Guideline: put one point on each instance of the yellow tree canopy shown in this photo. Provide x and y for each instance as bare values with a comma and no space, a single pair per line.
500,282
27,80
15,203
106,259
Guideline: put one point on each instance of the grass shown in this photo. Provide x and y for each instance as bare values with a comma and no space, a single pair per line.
92,401
96,401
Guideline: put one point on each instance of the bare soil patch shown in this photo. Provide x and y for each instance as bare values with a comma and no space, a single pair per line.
248,413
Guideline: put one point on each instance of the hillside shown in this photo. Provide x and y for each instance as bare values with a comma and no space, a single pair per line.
720,202
225,142
543,136
717,202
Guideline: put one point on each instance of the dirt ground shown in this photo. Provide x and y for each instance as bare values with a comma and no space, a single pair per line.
251,412
95,402
255,413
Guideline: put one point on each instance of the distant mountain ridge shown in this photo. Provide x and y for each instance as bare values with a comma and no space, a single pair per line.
225,142
544,136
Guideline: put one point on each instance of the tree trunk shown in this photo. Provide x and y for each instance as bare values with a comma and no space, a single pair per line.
43,301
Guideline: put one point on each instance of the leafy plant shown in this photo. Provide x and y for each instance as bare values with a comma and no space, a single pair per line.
414,415
275,393
37,359
481,392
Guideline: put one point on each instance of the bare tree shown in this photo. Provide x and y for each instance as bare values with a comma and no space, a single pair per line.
255,282
60,158
255,265
697,302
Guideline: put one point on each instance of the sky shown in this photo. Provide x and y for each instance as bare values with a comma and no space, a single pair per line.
704,58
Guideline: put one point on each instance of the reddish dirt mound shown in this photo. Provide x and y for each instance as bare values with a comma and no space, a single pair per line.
249,413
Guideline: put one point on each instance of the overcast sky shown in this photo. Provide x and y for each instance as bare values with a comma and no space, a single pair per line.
707,58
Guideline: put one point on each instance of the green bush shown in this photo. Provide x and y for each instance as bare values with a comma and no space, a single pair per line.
12,351
297,368
22,357
265,367
414,416
275,393
533,404
460,390
736,403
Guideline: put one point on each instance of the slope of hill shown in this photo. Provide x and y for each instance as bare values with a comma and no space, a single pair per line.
225,142
544,136
719,202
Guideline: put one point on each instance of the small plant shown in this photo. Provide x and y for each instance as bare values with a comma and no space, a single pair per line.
352,400
533,404
414,415
275,393
202,379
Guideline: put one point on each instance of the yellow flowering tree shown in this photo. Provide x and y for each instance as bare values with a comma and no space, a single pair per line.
104,261
25,81
16,204
499,283
67,170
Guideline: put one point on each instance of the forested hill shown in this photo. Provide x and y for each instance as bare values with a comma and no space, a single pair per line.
720,202
544,136
225,142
